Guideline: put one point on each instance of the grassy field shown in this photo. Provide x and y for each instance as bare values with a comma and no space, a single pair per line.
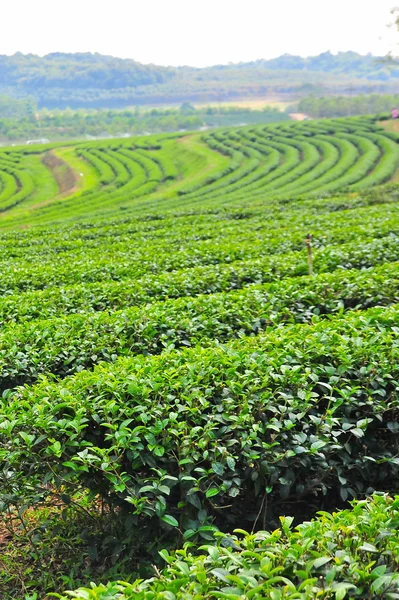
199,365
257,103
254,103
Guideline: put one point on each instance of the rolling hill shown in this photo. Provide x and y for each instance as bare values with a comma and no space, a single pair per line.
92,80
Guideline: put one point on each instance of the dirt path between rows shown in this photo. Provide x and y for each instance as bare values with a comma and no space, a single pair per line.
65,176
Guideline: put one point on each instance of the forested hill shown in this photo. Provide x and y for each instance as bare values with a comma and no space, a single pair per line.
347,63
77,71
94,80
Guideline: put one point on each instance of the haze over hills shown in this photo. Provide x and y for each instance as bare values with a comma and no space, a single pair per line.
60,80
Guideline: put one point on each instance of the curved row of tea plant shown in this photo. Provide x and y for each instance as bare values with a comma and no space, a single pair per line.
259,163
297,163
17,184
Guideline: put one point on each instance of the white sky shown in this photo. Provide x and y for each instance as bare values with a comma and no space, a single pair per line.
198,33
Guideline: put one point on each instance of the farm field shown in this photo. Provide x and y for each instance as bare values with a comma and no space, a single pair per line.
252,103
195,401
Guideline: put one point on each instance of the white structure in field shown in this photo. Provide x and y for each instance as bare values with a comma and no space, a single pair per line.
41,141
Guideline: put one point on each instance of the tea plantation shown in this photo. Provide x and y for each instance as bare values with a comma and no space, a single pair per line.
199,365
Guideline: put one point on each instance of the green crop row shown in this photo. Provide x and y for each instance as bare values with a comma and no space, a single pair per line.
68,344
258,167
324,217
349,554
120,168
299,414
151,167
386,166
264,162
106,174
309,159
17,183
365,145
348,157
245,168
237,262
330,156
331,221
292,169
9,186
325,294
202,186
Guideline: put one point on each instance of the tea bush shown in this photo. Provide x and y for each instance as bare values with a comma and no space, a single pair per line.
352,554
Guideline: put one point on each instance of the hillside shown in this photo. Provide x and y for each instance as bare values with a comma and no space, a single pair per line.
47,183
199,338
92,80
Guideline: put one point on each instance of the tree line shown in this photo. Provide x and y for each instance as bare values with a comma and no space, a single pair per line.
84,80
72,124
344,106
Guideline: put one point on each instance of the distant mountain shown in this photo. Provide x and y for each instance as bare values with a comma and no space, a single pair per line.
343,63
77,71
89,80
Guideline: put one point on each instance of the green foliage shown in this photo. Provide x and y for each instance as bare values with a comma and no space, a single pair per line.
169,371
349,554
66,344
15,125
344,106
293,416
252,164
17,108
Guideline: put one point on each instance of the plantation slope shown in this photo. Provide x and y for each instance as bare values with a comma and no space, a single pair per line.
176,171
117,172
66,178
171,371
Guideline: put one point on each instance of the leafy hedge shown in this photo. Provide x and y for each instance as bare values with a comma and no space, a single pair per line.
303,417
348,554
68,344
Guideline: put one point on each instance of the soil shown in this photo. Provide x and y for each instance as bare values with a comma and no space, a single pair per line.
66,178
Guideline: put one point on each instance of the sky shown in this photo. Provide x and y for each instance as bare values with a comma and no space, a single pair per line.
202,33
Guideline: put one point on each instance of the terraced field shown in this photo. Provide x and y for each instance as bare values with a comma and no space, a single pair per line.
171,373
235,166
